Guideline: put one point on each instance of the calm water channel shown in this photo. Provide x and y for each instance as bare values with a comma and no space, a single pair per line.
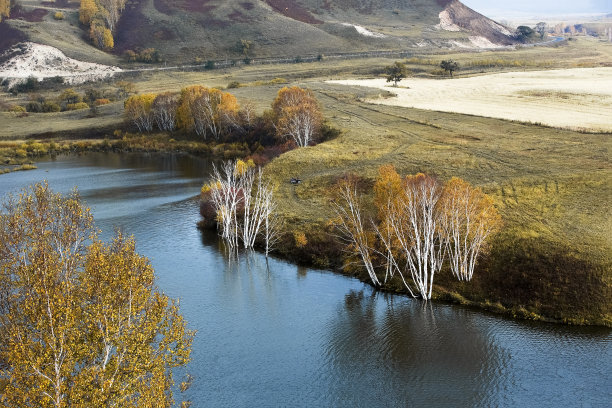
281,335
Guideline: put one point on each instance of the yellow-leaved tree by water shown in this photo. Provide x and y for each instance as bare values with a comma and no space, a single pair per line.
81,322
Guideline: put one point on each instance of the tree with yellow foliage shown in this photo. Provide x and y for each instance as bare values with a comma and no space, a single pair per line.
101,36
388,191
297,115
87,11
469,219
81,325
139,110
420,221
207,111
5,8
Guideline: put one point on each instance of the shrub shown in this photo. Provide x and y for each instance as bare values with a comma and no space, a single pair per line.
50,107
58,15
17,109
101,101
34,107
300,239
234,85
77,106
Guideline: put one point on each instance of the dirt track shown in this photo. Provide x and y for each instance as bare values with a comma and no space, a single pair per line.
571,98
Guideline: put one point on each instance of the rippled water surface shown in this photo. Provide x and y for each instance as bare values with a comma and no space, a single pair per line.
280,335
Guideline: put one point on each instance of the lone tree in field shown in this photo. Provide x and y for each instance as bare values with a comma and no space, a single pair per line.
81,322
449,66
541,28
396,72
524,34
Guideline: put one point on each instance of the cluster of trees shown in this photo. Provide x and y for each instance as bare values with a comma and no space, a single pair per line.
213,114
240,203
81,322
420,223
148,55
101,16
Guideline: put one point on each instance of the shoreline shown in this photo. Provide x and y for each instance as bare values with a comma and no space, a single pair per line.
320,251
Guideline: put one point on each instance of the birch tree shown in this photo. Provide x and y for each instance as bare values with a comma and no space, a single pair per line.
139,110
297,115
352,226
469,218
226,197
207,111
244,204
164,111
81,325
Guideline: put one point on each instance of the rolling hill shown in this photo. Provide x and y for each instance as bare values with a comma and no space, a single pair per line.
184,29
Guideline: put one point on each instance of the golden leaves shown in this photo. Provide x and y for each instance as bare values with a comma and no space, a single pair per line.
81,325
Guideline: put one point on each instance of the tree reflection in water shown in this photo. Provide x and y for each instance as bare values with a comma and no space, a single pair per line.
411,353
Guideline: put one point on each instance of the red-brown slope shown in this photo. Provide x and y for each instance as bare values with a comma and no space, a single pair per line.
291,9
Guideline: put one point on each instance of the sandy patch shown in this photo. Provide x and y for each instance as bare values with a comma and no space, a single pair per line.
446,22
364,31
572,98
42,61
481,42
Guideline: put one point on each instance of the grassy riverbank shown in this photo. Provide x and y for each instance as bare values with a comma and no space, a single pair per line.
552,261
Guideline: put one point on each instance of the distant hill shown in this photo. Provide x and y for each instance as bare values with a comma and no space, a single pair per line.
183,30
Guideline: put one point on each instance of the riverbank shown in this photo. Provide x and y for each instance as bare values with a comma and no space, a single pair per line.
523,277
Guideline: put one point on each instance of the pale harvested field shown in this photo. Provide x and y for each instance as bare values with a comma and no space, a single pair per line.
578,98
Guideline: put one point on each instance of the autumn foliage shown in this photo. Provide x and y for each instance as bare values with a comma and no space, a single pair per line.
81,322
102,17
5,8
420,224
208,112
139,110
297,115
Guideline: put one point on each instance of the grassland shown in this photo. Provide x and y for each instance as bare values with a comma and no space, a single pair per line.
553,259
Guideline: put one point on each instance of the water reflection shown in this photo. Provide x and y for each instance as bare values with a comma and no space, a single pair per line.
411,352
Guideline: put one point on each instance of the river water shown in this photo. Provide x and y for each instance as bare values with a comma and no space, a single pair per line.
275,334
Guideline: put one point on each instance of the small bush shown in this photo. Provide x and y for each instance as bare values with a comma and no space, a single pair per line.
101,101
300,239
77,106
48,107
234,85
58,15
34,107
17,109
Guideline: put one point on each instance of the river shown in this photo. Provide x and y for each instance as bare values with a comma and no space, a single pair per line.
275,334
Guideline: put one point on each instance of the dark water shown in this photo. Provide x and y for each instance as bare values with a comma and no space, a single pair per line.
281,335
